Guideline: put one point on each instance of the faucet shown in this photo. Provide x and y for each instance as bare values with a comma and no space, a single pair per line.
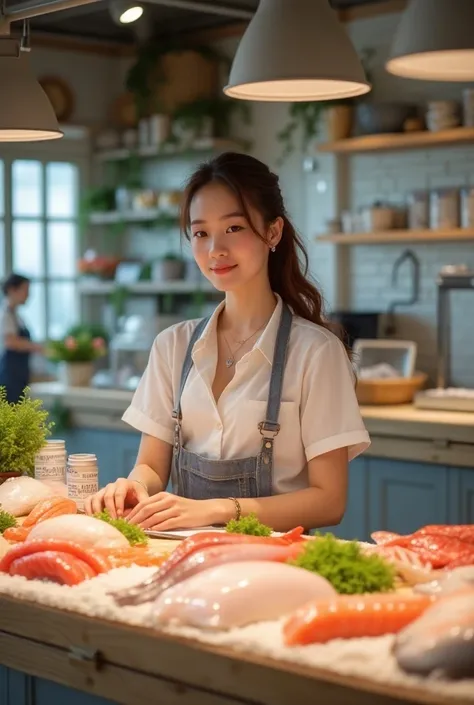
406,256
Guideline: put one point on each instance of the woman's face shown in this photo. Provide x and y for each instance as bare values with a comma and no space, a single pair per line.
19,295
225,247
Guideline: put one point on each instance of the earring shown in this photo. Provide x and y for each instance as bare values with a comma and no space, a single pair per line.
273,249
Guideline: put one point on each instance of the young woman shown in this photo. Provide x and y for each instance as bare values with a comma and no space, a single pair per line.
253,410
15,342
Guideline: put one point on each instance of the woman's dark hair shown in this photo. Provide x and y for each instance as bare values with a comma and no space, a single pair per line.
253,183
14,281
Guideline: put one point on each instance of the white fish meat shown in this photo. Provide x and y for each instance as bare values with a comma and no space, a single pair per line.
79,528
236,594
453,581
19,495
441,640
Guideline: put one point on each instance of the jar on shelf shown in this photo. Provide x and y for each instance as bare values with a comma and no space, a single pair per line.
444,208
82,476
50,461
418,210
467,207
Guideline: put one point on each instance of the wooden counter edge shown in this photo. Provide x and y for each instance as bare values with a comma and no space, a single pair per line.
243,677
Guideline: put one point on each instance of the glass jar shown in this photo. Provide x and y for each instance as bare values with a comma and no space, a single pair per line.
82,474
50,461
467,207
419,210
444,209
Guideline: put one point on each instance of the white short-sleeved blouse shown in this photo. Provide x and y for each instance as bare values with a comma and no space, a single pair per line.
319,409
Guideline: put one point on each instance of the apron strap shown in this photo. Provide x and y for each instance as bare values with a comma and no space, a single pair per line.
187,365
271,425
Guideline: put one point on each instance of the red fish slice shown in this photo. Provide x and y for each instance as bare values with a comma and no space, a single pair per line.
437,550
16,533
466,559
97,562
463,532
55,566
382,537
352,616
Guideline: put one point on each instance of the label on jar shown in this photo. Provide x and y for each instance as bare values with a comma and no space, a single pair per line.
80,476
78,491
50,464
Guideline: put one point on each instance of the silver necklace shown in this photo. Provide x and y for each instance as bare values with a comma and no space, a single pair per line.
231,359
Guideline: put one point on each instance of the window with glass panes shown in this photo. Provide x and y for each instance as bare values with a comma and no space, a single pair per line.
39,238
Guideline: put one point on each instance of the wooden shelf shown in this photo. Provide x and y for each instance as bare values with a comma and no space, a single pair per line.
402,140
198,148
103,288
143,216
394,236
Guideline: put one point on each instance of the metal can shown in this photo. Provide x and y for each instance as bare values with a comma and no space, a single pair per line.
444,209
467,207
50,461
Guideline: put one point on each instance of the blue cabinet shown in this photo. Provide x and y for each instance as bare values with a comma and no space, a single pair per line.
116,450
461,496
15,687
355,522
49,693
404,496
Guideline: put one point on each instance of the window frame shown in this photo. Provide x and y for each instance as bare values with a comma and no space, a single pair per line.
74,149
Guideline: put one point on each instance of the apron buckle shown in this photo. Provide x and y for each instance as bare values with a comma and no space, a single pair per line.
268,427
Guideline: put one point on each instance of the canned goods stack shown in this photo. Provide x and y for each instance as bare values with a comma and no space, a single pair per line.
50,461
82,477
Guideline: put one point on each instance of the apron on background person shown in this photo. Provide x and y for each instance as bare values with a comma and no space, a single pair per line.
15,367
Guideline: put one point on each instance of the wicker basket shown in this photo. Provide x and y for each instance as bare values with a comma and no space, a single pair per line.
390,391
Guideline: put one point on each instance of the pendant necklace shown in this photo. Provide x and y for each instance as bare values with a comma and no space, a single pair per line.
231,359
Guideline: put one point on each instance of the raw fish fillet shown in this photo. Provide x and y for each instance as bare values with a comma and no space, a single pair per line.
81,529
210,558
48,508
381,537
463,532
54,566
150,588
4,546
454,581
18,495
352,616
236,594
442,640
95,560
407,563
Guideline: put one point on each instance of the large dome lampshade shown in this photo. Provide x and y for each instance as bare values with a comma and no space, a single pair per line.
26,114
435,41
296,50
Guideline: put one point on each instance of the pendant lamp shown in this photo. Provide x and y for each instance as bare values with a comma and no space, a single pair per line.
435,41
26,114
296,50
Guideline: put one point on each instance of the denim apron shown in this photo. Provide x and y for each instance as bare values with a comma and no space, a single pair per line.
15,368
196,477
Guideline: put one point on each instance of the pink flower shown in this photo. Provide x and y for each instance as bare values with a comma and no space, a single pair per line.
70,343
98,343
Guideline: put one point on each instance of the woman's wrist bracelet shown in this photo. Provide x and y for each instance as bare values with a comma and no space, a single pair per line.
238,508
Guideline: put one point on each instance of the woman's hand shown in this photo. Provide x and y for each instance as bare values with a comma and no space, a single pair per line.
165,511
116,497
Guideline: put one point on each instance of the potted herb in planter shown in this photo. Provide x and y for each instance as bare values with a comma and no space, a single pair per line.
76,355
24,428
169,268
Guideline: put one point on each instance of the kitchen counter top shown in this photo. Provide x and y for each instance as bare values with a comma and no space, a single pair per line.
391,421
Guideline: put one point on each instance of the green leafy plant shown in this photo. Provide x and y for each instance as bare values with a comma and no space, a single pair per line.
248,525
7,521
24,428
132,533
81,348
193,115
344,565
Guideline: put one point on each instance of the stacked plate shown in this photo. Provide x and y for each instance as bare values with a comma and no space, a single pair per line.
442,115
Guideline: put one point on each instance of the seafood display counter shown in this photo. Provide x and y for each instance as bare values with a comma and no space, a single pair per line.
95,611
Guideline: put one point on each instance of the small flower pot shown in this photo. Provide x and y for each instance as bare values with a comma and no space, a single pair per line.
76,374
168,270
4,476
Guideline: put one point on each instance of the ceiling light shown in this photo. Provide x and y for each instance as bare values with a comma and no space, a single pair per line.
295,51
435,41
125,11
26,114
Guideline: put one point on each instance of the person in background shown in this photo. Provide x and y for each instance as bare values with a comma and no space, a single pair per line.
253,410
16,345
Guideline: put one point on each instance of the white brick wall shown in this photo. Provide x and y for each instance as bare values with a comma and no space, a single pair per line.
390,177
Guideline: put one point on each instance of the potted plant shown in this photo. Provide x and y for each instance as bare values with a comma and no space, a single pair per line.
24,428
76,355
169,268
